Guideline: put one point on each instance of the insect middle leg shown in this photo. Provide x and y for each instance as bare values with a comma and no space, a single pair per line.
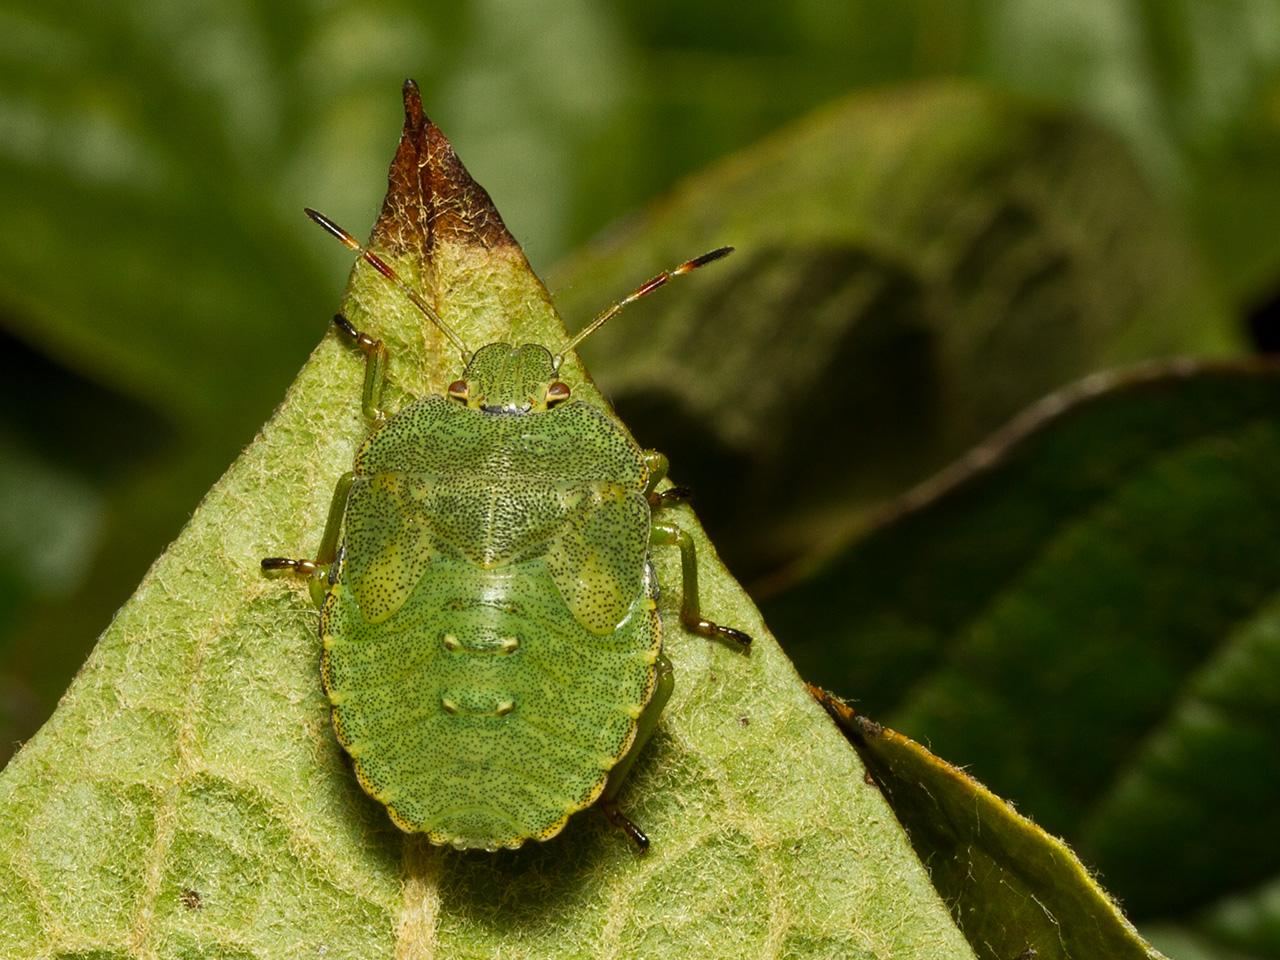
668,534
375,368
645,727
317,570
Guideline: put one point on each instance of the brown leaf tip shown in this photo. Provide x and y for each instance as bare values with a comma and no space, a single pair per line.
413,114
431,198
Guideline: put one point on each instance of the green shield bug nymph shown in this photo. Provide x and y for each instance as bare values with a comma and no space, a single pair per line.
492,644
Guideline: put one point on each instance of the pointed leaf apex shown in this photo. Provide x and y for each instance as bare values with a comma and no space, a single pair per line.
412,97
431,198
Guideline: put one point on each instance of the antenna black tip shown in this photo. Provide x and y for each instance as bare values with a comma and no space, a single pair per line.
709,257
332,228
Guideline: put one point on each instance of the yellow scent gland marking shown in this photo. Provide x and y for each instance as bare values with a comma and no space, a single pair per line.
505,515
499,709
503,646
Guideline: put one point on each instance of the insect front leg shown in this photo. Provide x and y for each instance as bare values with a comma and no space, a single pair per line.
375,368
317,570
645,726
668,534
657,464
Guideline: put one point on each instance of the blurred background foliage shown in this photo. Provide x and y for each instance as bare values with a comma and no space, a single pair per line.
944,211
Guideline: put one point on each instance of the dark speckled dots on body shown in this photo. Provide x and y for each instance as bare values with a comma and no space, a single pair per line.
491,638
492,646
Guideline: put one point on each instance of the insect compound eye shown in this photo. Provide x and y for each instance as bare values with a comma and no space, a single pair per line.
459,390
557,392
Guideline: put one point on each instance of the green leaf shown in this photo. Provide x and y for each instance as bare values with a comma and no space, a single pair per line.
56,491
188,797
1189,86
1086,612
1014,890
182,164
914,266
153,168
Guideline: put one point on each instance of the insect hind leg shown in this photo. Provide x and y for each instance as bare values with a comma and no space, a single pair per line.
645,727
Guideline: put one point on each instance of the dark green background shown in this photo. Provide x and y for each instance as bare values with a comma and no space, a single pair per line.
159,287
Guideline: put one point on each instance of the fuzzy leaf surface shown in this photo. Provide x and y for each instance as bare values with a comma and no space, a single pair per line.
188,797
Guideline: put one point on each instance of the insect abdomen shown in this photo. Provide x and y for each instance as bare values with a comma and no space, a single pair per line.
481,712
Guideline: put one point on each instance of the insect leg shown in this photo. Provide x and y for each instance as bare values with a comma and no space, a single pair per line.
318,569
668,534
657,464
375,367
645,726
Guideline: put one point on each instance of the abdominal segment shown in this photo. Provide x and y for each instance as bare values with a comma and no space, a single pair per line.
481,711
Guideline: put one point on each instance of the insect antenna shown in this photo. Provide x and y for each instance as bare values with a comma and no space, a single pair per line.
384,268
643,290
